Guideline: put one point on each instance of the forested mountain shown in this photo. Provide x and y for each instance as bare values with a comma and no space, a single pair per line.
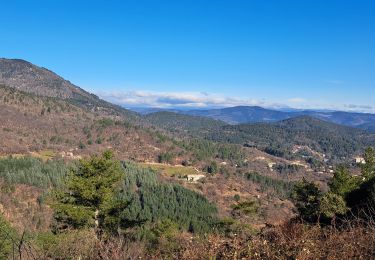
184,124
364,121
370,127
241,114
279,138
254,114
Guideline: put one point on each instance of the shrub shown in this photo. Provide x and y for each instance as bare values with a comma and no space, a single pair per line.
165,158
331,205
7,235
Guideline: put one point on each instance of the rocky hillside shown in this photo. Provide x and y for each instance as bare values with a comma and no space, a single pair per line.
27,77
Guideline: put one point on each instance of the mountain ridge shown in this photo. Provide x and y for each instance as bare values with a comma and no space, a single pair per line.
255,114
27,77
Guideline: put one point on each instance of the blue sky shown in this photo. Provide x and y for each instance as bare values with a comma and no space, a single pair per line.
304,54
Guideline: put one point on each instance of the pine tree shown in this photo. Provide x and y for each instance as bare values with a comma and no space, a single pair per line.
342,182
88,193
307,196
368,168
331,205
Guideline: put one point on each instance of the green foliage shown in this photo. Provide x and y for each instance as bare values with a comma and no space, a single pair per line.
212,168
165,158
183,124
165,228
345,190
81,145
331,205
138,201
105,122
314,162
7,235
342,182
284,168
362,199
149,201
75,244
307,196
56,140
99,140
267,184
249,207
204,150
89,188
162,236
278,139
87,131
33,171
368,168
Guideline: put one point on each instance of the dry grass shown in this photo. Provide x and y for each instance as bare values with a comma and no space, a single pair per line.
290,241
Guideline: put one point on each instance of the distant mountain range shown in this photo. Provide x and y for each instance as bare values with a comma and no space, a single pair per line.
256,114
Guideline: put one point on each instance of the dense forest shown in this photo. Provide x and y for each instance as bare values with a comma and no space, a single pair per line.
149,201
183,125
32,171
336,142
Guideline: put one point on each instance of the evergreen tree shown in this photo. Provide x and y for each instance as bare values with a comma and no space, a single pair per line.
331,205
307,196
368,168
342,182
362,199
88,192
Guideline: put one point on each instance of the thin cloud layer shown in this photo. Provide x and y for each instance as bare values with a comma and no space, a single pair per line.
177,99
205,100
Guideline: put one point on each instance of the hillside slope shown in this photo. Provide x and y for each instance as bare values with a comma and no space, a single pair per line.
335,141
34,123
29,78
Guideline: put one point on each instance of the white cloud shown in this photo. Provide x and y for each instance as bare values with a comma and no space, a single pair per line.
177,99
206,100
